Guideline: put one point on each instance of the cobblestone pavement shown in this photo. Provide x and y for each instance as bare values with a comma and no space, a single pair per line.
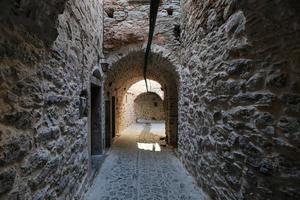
138,167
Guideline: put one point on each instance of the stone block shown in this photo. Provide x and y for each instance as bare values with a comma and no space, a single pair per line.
56,99
277,79
36,161
14,150
263,119
288,124
236,24
7,179
257,98
266,167
21,120
255,82
238,67
45,135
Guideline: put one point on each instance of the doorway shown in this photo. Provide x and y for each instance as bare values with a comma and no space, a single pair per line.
107,124
96,137
113,116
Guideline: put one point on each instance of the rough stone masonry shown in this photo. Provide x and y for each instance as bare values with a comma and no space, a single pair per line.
239,121
47,52
237,68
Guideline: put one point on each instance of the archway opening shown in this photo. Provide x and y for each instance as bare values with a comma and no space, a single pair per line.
140,106
126,73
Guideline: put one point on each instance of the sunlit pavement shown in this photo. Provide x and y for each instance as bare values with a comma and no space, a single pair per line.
138,167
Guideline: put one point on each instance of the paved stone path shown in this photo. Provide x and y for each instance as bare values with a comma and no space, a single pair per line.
139,168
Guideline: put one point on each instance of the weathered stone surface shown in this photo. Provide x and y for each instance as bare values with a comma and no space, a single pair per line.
127,23
256,82
277,79
15,149
237,72
269,130
21,120
235,24
266,167
47,134
231,72
47,52
46,175
289,124
35,161
263,119
7,179
238,67
254,98
56,99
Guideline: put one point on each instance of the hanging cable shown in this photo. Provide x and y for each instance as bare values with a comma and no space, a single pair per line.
153,15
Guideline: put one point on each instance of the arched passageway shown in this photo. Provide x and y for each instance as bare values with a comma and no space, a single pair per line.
128,106
140,165
238,103
128,70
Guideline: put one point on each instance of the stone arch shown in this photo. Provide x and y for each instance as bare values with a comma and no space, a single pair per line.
164,53
148,106
126,68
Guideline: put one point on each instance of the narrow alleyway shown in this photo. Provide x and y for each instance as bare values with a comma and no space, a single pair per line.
223,76
139,166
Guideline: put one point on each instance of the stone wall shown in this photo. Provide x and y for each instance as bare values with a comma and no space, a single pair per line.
125,111
149,106
47,52
127,23
239,104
